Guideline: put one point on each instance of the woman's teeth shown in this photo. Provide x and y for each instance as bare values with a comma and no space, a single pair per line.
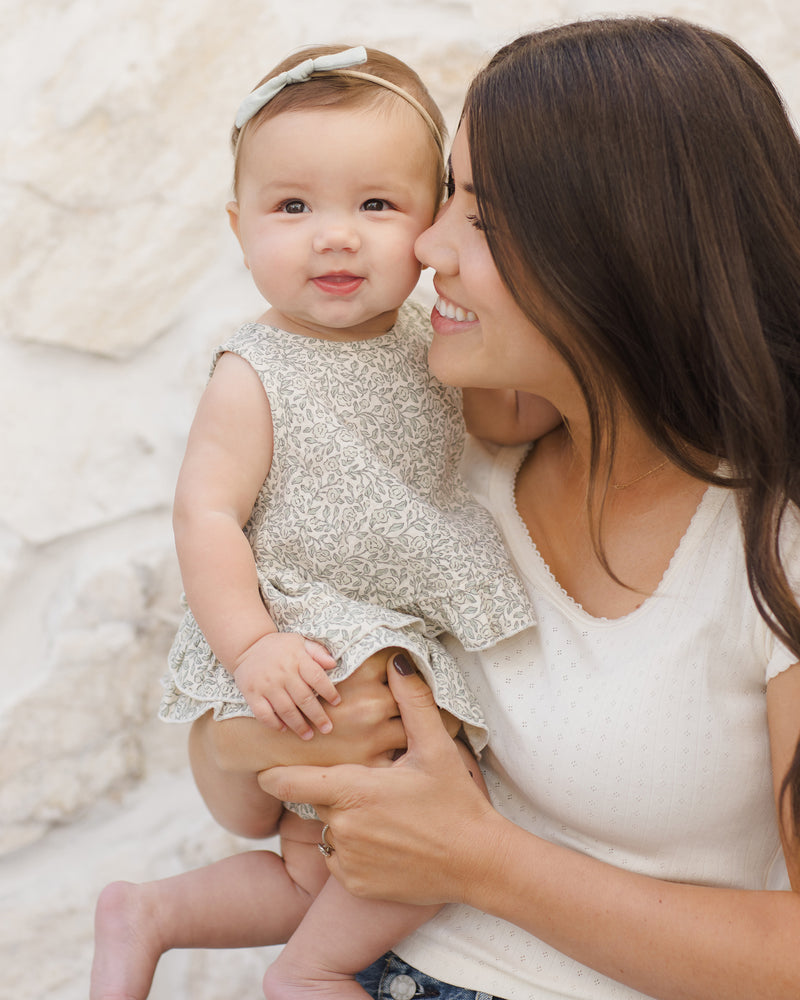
451,311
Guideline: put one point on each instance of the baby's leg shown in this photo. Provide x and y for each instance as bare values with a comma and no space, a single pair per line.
341,935
248,900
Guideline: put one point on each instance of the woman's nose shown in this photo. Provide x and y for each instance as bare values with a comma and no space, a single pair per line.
433,247
336,235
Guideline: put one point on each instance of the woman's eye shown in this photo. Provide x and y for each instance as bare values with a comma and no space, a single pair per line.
375,205
294,207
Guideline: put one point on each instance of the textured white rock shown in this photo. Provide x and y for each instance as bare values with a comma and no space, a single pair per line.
81,733
118,276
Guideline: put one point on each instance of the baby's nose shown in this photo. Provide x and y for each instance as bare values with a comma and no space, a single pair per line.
336,235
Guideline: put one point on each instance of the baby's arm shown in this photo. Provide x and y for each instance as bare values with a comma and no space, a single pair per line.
506,416
228,457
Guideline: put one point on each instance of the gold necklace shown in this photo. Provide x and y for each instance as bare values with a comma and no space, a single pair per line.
638,479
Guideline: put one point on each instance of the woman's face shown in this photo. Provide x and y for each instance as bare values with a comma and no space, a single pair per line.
481,336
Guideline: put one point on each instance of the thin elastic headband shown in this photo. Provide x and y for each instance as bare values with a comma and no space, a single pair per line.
336,64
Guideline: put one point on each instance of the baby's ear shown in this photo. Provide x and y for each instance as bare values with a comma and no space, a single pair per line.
232,208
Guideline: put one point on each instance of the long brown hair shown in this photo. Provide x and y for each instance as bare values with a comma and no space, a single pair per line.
641,177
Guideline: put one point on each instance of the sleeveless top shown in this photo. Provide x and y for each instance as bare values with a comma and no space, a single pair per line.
364,534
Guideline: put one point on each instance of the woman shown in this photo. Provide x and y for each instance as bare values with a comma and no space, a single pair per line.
622,239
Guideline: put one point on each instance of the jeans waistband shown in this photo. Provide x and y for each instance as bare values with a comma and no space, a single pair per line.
390,978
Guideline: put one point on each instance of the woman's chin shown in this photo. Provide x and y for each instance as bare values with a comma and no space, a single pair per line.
445,373
446,361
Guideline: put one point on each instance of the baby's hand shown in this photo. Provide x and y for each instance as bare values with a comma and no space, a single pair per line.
282,676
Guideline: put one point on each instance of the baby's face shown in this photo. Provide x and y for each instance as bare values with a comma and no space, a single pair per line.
329,204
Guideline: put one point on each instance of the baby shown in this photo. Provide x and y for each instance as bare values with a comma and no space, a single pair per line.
319,516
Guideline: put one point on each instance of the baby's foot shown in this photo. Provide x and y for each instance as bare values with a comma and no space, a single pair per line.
284,983
126,948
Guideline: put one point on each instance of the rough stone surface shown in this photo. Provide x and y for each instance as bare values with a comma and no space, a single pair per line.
118,276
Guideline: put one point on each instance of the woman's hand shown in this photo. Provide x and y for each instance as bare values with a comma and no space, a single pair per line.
416,832
367,729
226,756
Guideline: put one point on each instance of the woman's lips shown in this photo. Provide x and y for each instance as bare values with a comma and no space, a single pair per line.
338,283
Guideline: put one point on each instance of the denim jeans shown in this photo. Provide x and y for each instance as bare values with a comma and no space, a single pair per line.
392,979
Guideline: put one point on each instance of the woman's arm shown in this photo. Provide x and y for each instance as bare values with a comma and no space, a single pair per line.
506,416
668,940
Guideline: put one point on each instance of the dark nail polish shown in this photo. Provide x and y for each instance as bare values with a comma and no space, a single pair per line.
402,666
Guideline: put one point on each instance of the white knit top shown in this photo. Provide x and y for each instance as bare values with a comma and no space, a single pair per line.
641,741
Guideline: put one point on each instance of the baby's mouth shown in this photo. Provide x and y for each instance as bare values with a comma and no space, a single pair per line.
338,282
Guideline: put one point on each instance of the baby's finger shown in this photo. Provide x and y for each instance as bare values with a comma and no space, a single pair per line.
264,712
308,703
319,653
319,681
290,715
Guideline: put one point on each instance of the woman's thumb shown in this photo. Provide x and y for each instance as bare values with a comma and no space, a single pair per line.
414,699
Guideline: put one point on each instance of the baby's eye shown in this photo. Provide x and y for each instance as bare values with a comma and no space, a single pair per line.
376,205
293,206
477,222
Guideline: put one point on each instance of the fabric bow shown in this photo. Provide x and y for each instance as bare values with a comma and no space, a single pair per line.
262,95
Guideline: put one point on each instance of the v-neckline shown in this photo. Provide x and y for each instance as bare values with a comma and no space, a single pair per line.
535,568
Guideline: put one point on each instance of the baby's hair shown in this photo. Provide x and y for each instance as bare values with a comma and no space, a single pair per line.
341,90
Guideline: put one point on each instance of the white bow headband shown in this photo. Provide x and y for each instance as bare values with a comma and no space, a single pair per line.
337,63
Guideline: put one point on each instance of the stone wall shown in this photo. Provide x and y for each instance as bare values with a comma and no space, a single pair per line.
118,277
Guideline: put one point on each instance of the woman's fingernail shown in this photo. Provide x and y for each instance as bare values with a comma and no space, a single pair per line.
402,666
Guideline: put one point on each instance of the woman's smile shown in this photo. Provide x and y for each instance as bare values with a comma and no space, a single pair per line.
449,310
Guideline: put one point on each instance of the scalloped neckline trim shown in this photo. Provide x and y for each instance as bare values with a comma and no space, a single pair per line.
510,464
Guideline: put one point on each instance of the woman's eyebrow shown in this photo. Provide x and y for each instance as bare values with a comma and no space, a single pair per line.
469,187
